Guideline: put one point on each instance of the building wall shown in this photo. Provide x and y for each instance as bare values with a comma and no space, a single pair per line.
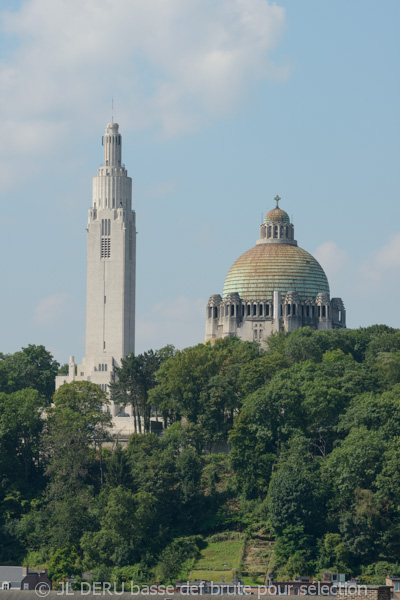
363,592
110,297
256,321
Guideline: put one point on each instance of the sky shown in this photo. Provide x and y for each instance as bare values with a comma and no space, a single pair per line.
221,105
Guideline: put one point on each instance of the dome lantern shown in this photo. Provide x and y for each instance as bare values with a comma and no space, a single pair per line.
277,228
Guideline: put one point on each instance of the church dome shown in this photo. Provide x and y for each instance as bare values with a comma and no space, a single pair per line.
276,267
275,286
277,264
277,215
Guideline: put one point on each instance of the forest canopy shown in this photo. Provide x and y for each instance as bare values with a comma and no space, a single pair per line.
298,443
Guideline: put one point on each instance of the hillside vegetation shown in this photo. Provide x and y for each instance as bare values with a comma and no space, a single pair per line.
285,461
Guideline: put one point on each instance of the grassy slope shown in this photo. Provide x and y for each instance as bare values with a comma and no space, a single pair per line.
220,559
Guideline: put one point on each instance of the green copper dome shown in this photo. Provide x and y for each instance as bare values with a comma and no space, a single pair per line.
276,267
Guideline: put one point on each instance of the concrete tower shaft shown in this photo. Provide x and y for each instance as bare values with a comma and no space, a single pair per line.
111,258
112,143
112,188
111,272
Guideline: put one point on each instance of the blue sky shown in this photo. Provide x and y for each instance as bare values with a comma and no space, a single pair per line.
221,105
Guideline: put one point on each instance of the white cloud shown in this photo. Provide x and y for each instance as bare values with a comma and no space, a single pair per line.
364,286
173,62
50,310
179,321
384,262
331,257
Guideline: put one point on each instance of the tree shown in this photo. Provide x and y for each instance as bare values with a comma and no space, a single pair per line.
189,467
173,557
294,552
64,369
63,564
252,451
202,384
333,554
32,367
116,468
135,379
361,526
21,426
77,426
77,421
295,496
128,527
356,462
376,411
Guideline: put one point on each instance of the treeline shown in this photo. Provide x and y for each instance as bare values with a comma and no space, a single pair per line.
299,442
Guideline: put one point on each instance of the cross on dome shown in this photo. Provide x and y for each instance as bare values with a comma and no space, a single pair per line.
277,198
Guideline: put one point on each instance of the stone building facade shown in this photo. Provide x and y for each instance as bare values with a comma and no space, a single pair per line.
275,286
111,271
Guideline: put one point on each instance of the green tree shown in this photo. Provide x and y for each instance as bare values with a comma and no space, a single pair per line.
77,428
64,369
135,379
355,462
128,527
32,367
295,496
21,425
202,384
294,555
333,554
21,464
63,564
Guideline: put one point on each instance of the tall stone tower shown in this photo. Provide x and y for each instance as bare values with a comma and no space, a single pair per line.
111,271
110,299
